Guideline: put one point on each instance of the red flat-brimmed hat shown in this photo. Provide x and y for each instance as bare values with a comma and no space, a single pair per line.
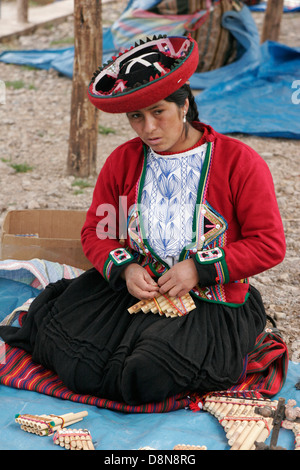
146,73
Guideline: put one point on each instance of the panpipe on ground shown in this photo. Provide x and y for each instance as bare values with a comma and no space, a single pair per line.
165,305
74,439
242,425
43,425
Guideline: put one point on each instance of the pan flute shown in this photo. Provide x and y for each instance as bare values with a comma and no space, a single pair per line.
165,305
74,439
44,425
242,425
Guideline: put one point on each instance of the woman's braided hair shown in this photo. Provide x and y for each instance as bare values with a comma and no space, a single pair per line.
179,97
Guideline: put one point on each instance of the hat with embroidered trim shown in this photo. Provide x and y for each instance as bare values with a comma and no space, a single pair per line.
146,73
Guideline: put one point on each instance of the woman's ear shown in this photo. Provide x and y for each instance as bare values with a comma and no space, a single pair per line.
186,106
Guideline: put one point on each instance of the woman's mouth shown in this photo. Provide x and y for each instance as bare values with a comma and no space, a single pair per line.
153,140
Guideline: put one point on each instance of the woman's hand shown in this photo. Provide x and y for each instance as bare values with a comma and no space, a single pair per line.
180,279
139,282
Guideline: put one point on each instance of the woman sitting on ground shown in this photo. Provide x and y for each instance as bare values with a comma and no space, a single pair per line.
179,209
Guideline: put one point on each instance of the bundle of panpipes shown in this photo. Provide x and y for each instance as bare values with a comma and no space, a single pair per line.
74,439
242,425
165,305
45,425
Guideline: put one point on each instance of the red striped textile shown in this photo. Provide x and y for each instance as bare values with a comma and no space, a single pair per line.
266,366
265,373
17,370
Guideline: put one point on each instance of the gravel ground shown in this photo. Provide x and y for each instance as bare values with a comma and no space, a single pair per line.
34,147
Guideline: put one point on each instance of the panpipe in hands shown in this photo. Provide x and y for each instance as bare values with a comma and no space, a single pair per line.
165,305
242,424
74,439
45,425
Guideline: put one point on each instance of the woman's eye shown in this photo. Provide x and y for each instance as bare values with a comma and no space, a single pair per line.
134,116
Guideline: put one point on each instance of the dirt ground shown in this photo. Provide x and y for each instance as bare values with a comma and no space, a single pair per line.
34,147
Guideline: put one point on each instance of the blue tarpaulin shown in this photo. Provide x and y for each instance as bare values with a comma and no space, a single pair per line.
264,101
110,430
59,59
113,430
289,7
253,95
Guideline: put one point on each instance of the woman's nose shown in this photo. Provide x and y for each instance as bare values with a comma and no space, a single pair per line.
149,124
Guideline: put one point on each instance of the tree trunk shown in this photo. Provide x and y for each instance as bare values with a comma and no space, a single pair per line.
84,116
22,11
272,20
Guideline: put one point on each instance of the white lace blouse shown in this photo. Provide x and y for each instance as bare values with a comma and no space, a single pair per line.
168,200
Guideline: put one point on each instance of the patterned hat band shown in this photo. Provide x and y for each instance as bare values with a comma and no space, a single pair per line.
144,74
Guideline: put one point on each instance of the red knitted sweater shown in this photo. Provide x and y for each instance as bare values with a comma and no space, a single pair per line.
237,224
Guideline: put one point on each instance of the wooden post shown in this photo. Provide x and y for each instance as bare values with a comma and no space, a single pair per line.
272,20
22,11
84,116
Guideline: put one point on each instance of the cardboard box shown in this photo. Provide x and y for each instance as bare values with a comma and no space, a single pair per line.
52,235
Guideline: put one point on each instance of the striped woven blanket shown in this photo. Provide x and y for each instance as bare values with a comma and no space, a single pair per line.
139,20
37,272
264,375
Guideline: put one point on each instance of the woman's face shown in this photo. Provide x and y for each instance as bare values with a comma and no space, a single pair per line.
160,126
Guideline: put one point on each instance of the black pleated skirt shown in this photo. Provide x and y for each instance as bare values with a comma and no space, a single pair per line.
81,330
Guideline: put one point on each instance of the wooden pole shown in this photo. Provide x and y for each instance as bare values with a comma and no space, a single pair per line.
272,20
22,11
84,116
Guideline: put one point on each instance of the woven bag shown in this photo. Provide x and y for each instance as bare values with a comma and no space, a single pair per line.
217,46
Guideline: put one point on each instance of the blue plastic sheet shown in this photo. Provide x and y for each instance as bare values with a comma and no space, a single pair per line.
252,95
112,430
263,101
61,59
13,294
286,8
240,24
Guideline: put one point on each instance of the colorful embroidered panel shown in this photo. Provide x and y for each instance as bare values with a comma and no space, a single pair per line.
168,200
120,256
210,226
208,256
